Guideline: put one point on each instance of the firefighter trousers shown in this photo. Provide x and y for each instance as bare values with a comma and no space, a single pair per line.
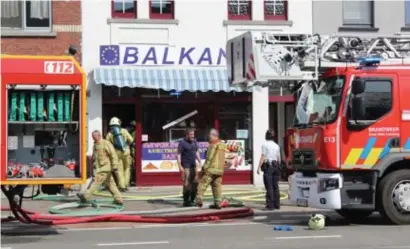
104,179
216,184
124,169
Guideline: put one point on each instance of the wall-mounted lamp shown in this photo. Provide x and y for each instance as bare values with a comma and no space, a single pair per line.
72,50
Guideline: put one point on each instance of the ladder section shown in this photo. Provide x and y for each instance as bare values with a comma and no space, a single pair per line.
342,50
264,57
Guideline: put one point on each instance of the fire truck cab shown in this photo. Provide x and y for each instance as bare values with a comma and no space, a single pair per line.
350,142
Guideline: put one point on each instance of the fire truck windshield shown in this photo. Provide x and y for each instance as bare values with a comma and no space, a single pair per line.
319,103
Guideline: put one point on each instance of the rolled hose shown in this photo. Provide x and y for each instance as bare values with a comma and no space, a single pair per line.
51,220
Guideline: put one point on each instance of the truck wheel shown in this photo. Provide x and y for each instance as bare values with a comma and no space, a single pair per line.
354,215
394,197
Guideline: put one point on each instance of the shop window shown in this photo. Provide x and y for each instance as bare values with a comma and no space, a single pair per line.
235,125
124,8
162,9
273,116
289,114
26,15
358,13
110,92
239,10
276,9
167,122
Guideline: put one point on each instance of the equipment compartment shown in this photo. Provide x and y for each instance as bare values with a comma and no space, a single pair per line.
43,132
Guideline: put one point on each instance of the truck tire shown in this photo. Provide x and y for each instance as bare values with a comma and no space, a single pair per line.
385,193
354,215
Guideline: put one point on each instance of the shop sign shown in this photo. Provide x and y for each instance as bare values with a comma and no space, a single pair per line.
115,55
162,157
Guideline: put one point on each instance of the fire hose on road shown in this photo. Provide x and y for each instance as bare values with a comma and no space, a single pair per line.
51,220
103,206
28,217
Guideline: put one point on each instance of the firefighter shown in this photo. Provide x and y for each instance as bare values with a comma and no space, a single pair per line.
121,139
131,130
133,125
105,162
212,170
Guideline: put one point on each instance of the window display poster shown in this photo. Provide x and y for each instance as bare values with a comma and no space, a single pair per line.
242,134
162,157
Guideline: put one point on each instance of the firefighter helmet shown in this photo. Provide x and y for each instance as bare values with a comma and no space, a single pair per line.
115,121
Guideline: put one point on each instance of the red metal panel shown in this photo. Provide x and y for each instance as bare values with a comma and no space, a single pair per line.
32,70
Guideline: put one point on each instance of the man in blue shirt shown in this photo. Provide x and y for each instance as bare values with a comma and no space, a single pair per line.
188,157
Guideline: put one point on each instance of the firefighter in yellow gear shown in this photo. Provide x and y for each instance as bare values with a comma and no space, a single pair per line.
212,171
121,140
132,131
105,162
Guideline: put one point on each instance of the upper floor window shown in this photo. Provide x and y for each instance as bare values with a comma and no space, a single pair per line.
26,15
407,12
239,10
162,9
358,13
124,8
275,9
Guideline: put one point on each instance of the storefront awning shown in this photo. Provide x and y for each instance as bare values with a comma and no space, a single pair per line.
197,79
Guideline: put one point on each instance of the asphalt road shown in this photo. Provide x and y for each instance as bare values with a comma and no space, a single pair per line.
256,234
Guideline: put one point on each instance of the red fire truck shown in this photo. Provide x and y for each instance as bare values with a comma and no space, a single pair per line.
350,143
42,123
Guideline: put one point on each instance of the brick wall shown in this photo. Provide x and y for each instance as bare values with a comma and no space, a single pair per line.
66,26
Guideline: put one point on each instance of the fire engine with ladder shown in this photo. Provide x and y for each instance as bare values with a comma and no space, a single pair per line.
350,142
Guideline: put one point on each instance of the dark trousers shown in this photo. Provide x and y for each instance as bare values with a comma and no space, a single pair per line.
271,175
189,185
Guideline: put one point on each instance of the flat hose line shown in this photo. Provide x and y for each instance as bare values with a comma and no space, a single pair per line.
36,218
105,206
109,207
259,196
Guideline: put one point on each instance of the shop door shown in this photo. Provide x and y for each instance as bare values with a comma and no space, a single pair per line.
235,127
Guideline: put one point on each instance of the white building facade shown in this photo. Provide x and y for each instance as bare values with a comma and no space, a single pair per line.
168,54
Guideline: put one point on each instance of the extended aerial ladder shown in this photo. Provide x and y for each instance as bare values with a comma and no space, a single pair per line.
264,58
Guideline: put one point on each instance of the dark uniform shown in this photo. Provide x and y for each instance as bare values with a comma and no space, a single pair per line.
271,176
212,173
188,150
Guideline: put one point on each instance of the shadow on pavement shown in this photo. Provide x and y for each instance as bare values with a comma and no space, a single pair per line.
302,218
166,202
22,233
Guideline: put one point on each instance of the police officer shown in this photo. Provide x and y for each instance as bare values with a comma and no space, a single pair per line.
121,139
269,164
212,170
105,162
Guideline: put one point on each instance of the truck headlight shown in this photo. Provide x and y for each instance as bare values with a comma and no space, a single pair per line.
328,184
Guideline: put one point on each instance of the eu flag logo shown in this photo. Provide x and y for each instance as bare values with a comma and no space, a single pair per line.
109,55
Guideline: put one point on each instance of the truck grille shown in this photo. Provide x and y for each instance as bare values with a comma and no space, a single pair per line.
304,159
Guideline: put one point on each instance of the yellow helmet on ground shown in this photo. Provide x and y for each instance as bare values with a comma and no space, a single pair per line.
115,121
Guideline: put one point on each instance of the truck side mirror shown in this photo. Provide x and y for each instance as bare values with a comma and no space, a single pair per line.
358,111
358,86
